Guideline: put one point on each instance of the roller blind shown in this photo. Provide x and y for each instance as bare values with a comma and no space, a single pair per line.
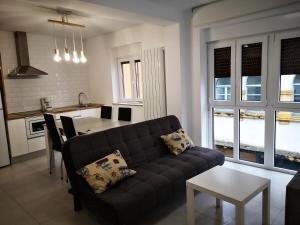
222,62
290,56
251,59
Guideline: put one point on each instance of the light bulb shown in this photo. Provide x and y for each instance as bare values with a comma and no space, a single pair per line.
83,59
56,57
67,55
75,57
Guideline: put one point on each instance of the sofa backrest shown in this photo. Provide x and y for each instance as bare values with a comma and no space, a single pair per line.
138,143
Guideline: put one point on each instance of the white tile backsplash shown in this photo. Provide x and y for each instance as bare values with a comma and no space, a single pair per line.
63,82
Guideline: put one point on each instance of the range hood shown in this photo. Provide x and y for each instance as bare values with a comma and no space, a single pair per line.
23,70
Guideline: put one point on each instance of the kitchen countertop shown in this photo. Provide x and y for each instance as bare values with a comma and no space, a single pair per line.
21,115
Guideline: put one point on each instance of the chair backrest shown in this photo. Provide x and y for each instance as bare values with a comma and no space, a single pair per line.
68,126
106,112
124,114
53,131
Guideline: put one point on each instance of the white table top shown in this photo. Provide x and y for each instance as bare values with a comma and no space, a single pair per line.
228,184
92,124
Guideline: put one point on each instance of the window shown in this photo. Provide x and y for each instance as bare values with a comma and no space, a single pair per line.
130,77
222,72
252,135
290,70
223,141
287,146
126,80
251,71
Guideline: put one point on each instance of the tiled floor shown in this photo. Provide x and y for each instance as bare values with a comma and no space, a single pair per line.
30,196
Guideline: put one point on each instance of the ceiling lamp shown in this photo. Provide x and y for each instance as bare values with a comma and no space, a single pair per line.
83,59
57,57
65,23
75,55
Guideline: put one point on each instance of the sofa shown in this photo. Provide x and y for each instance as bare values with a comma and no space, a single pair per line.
292,201
160,176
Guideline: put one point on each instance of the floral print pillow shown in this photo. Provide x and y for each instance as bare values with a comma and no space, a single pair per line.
105,172
177,141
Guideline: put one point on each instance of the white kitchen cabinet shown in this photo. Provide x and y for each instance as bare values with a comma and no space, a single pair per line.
91,112
36,144
17,137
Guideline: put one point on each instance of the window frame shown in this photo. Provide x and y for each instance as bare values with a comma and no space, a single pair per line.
211,79
134,86
277,76
264,69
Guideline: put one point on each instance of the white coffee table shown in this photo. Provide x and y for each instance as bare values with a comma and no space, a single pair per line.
231,186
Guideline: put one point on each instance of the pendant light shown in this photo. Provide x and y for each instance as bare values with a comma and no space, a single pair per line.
57,57
66,50
75,55
83,59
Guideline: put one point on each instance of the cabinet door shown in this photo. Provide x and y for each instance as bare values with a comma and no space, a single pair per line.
17,137
36,144
91,113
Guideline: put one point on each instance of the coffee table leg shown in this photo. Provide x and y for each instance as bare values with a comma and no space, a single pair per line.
190,197
239,215
219,203
266,206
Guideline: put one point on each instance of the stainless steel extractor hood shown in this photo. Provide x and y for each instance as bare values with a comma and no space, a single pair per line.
23,70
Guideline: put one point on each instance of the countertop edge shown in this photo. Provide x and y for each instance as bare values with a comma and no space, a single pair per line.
16,116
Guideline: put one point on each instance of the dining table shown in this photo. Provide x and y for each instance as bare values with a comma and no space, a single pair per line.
83,125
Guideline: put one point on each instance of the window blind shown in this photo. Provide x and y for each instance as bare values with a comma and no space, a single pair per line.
222,62
251,59
290,56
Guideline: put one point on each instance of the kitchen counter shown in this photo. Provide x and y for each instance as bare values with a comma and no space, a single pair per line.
20,115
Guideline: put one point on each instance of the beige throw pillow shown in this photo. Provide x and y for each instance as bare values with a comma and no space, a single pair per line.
177,141
105,172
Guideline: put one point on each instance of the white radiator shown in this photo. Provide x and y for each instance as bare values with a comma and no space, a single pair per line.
154,87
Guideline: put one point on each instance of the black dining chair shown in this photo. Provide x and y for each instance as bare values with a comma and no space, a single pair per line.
68,126
124,114
106,112
57,141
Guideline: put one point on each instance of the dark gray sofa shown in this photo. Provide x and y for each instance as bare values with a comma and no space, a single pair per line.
160,175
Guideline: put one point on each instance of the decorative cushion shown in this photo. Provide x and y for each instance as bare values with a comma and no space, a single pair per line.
177,141
105,172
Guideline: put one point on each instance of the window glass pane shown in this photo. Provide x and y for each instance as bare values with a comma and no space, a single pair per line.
287,145
223,131
222,88
138,75
222,73
290,70
290,88
251,72
126,79
252,135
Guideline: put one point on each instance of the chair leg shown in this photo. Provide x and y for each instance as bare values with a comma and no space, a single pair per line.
50,164
61,169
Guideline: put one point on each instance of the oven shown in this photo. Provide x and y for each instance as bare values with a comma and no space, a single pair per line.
35,126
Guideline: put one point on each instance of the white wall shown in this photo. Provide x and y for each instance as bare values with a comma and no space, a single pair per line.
63,83
102,51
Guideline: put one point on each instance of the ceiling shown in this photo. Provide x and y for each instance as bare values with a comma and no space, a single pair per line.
32,16
183,4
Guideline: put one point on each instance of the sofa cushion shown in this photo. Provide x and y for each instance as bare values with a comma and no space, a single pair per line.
105,172
177,141
157,183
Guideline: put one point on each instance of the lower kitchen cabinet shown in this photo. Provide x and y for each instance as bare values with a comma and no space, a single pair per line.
17,137
36,144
